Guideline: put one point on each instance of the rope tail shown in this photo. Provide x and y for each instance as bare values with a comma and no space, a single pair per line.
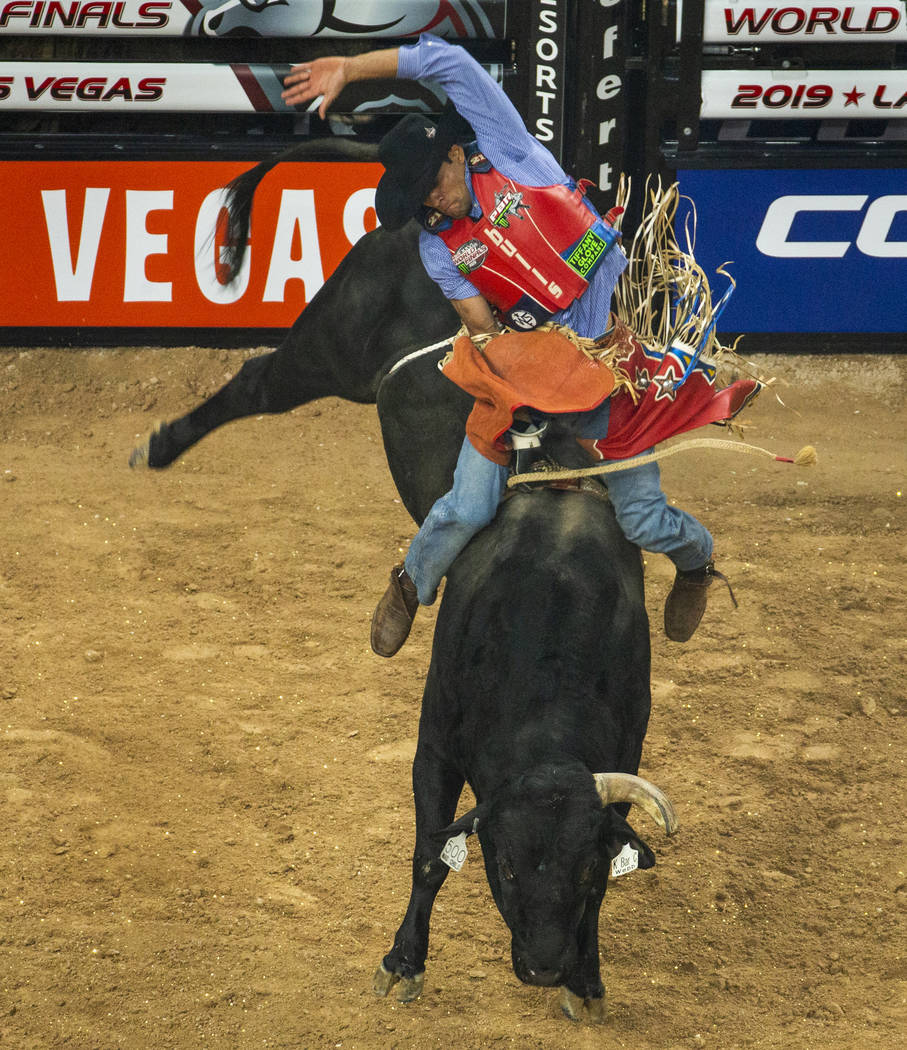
806,457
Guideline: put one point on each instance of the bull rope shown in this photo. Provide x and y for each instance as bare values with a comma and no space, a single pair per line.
418,353
806,457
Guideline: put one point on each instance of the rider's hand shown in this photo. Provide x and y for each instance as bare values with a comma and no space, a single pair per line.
308,80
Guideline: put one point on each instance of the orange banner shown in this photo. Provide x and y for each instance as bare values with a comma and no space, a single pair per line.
131,243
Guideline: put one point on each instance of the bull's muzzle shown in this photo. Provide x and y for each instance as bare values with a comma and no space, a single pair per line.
538,969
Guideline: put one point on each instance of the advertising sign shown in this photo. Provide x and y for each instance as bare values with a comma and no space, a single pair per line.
477,19
201,87
548,73
604,103
859,21
140,86
811,251
805,93
133,244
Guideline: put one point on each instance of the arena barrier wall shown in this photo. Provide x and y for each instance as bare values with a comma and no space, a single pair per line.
120,121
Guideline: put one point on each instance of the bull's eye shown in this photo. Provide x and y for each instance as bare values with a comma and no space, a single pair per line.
505,870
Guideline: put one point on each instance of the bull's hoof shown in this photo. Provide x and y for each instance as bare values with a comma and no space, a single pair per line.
578,1009
595,1010
383,981
571,1005
410,987
140,454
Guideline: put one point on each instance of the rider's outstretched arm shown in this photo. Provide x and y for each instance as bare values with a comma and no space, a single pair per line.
329,76
499,129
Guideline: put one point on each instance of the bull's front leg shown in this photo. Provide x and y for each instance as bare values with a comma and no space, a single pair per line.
583,994
436,788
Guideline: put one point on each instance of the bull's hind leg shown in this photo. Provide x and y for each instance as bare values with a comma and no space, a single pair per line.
274,382
437,789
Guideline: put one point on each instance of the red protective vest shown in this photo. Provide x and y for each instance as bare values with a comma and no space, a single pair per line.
533,249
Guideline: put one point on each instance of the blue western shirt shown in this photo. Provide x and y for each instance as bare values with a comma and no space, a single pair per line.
502,136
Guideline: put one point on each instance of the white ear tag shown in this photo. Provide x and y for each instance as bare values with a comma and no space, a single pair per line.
454,852
625,861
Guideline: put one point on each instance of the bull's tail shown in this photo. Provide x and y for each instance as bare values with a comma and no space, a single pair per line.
240,192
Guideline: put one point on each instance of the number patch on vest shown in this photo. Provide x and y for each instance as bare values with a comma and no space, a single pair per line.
586,253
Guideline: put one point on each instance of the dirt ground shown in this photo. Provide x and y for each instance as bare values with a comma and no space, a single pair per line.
205,783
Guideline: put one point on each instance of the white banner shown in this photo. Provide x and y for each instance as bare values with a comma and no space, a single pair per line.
479,19
748,94
195,86
201,87
860,21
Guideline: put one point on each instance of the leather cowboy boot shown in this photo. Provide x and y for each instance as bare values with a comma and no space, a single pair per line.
394,614
687,601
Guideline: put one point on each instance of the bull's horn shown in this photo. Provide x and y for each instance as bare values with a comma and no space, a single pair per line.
625,787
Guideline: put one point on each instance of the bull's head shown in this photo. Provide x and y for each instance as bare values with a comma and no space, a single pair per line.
548,839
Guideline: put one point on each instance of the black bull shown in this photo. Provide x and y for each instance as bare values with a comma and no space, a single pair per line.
539,680
538,689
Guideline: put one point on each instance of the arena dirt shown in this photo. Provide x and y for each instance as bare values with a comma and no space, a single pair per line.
205,781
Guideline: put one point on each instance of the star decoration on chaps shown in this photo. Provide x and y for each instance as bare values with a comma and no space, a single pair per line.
665,385
643,379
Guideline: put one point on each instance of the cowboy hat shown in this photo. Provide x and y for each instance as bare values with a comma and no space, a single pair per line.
412,153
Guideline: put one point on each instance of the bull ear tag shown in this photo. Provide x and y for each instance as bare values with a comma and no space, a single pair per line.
625,861
454,853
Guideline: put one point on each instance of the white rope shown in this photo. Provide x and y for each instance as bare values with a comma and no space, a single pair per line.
419,353
616,466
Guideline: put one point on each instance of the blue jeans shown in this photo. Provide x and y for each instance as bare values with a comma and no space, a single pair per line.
641,509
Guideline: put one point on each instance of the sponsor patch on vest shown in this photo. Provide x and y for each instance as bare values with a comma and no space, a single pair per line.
507,203
433,219
585,255
470,256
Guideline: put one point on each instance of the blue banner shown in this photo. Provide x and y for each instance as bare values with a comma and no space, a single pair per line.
811,251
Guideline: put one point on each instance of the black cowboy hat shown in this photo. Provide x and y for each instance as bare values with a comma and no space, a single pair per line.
412,153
